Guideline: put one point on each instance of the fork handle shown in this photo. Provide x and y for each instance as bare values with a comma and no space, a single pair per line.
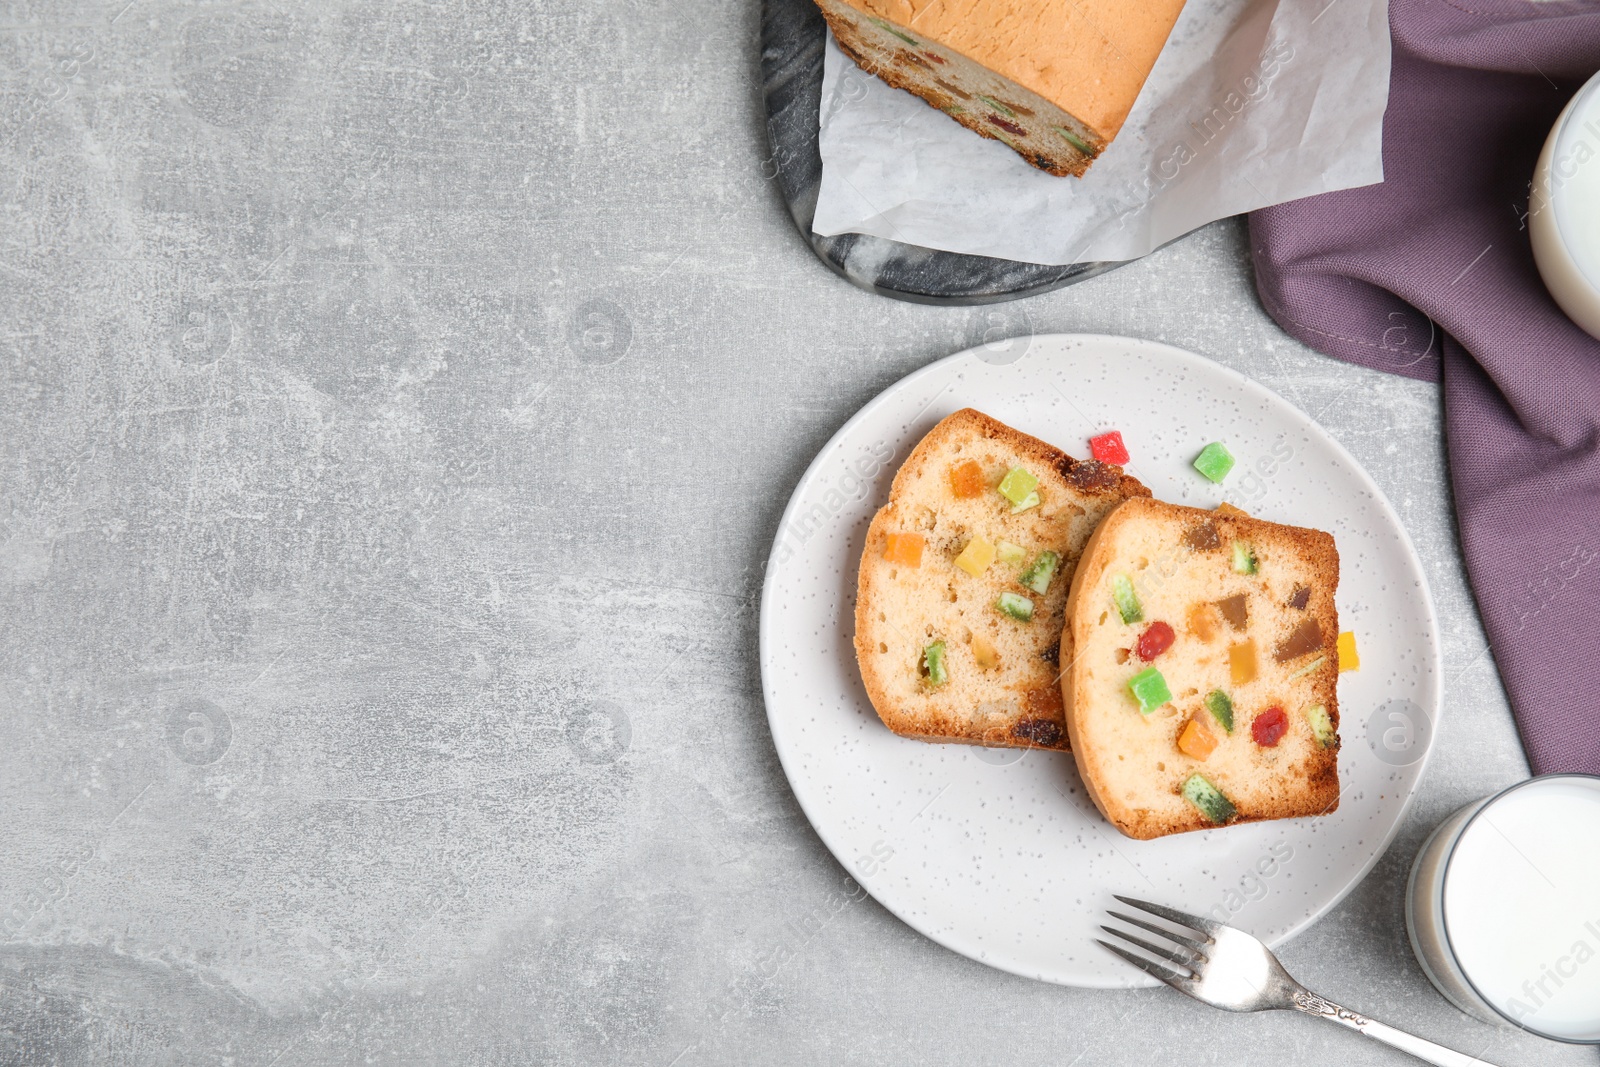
1421,1048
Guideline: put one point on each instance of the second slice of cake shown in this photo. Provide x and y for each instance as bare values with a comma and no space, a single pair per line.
1203,667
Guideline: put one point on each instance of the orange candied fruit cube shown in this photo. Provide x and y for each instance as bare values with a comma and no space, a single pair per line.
903,548
1202,620
967,480
1226,508
1196,741
1242,662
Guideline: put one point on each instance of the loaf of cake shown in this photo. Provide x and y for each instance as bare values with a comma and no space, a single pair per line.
1204,668
963,580
1052,79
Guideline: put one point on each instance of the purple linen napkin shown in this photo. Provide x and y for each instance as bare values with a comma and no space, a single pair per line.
1429,274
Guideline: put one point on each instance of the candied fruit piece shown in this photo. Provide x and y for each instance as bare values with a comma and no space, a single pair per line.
967,480
1300,597
1009,553
1307,637
1226,508
1236,609
1018,607
1017,486
1149,688
1029,501
976,557
1321,726
1221,707
1202,537
1348,660
1269,727
1242,662
1108,447
1126,599
1196,741
1202,621
933,668
1214,461
984,652
1155,640
1209,799
1244,557
1308,668
1037,576
904,548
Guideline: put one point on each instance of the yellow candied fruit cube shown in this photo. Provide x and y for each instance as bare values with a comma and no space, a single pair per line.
984,652
1196,741
1348,660
1242,662
976,557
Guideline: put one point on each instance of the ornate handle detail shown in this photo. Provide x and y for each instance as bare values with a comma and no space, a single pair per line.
1423,1049
1311,1004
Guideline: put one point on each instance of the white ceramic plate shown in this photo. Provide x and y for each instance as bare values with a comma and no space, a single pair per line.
998,853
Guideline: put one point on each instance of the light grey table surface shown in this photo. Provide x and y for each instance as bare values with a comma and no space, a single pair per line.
397,406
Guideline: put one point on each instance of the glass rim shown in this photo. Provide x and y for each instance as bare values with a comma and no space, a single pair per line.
1444,909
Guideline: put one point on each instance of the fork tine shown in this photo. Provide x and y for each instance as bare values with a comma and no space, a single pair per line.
1191,962
1182,918
1150,967
1187,942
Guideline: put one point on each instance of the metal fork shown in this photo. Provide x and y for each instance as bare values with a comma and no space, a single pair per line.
1229,969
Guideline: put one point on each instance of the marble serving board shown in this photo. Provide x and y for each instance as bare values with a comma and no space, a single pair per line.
792,38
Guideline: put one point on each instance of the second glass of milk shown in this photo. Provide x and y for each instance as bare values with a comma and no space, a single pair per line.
1503,907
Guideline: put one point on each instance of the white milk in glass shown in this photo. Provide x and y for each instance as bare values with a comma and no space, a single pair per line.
1522,906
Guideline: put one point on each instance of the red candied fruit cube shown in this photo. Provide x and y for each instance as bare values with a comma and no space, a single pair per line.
1155,640
1108,448
1269,727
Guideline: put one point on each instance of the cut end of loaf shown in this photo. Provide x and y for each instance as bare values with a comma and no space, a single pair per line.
982,100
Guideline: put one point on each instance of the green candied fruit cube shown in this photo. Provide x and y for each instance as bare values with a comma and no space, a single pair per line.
1037,576
1244,557
1209,799
888,27
1010,554
1149,688
1321,726
1017,485
1220,705
1214,461
1127,600
1018,607
1029,501
934,671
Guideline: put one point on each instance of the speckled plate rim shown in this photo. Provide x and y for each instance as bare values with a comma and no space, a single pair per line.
801,786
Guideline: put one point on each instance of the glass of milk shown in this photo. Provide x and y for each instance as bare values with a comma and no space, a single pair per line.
1503,907
1564,209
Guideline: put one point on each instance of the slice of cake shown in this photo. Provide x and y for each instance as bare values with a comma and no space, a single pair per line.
964,578
1203,652
1054,79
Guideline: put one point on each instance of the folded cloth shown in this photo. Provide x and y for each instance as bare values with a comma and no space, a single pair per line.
1429,274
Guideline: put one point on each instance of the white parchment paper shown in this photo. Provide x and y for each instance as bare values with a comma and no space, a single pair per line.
1252,103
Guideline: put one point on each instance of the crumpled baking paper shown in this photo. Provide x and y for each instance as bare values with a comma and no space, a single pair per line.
1252,103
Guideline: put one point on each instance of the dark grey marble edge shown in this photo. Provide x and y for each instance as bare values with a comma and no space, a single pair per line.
792,38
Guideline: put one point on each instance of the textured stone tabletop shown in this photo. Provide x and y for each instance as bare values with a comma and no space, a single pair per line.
397,405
